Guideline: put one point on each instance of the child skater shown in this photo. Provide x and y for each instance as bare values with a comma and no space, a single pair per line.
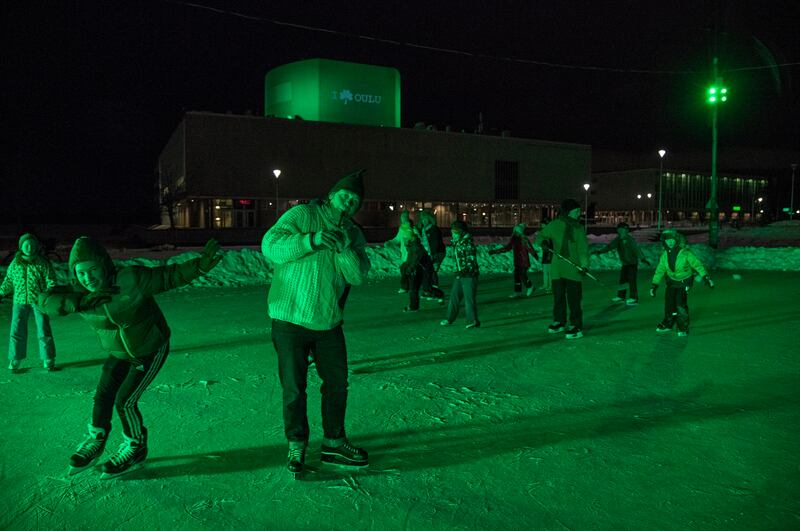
521,246
406,227
412,269
629,254
677,263
465,285
547,260
29,275
119,305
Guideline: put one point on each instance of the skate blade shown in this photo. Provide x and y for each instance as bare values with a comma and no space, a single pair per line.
345,465
133,468
74,471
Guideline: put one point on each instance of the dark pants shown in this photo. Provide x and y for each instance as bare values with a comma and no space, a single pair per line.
676,306
464,288
627,278
521,279
567,293
294,343
403,281
122,384
414,282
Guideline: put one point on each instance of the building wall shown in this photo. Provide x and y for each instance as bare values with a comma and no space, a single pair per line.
233,156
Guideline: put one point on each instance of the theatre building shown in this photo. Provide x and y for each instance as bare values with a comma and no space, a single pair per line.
324,119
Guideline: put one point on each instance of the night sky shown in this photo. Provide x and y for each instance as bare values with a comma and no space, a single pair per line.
93,89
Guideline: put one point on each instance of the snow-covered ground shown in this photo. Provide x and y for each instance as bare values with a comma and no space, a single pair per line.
502,427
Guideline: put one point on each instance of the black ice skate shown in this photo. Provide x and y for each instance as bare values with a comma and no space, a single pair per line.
129,457
89,450
295,461
345,455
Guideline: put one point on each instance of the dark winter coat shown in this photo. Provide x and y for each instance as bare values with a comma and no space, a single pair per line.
416,259
432,236
521,247
27,278
131,325
627,249
569,240
466,256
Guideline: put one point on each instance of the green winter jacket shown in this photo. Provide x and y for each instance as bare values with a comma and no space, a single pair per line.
131,325
569,240
627,249
27,278
685,262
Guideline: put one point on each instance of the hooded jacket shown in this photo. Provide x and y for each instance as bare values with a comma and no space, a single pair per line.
131,325
627,249
568,239
308,285
27,277
520,245
684,262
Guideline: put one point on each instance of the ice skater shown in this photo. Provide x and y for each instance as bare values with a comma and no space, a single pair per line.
29,275
569,241
678,264
521,247
120,306
418,268
629,255
405,228
432,241
465,284
547,260
318,252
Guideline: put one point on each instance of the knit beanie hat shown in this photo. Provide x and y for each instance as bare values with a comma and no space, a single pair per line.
458,225
353,182
86,249
25,237
623,225
568,205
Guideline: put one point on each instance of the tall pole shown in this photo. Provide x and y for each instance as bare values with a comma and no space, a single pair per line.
712,206
661,153
791,200
276,173
586,208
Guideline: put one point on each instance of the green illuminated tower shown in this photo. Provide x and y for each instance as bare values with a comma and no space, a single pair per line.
334,91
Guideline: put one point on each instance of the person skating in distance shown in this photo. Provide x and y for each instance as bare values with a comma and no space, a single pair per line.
120,306
678,264
569,240
318,253
629,255
521,247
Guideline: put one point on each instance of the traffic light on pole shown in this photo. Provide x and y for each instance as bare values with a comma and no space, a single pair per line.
717,94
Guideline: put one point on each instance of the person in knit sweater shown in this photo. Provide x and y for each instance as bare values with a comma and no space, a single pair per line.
677,264
29,274
629,254
405,228
521,247
569,241
465,284
119,305
318,253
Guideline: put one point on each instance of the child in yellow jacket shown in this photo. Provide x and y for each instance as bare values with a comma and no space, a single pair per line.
29,275
678,264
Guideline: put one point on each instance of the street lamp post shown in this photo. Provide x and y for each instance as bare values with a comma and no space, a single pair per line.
791,199
650,207
717,94
661,153
276,173
586,207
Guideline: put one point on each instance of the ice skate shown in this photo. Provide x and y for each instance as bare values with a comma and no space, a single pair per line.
618,299
555,328
345,455
662,327
476,324
632,302
295,461
89,451
445,322
574,333
530,290
50,365
129,456
13,365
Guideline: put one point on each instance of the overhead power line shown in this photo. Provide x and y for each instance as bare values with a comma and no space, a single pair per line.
453,51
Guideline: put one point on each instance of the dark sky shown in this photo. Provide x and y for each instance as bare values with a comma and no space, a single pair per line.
93,89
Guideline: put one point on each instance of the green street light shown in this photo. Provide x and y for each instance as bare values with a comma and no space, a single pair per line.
717,94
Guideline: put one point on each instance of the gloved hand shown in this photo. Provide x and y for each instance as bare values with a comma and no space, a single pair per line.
653,289
708,282
93,299
327,239
646,262
209,257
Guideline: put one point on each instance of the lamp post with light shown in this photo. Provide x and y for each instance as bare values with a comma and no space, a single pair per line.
791,199
650,207
276,173
586,207
661,153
